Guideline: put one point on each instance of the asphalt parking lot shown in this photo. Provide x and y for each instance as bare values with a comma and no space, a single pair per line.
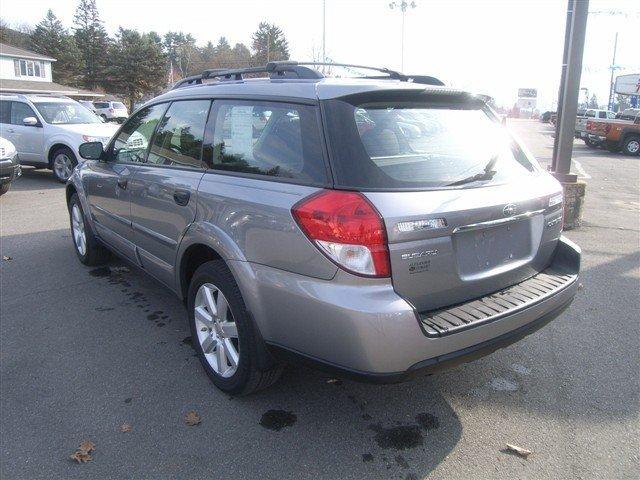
85,350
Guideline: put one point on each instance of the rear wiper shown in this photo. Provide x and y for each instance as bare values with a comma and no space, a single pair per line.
486,174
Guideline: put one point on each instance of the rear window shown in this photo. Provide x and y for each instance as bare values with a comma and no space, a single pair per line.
420,146
101,104
119,106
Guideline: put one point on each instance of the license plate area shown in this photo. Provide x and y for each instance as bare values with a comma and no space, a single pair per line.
485,249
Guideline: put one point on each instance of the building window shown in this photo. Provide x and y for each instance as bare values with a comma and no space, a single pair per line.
29,68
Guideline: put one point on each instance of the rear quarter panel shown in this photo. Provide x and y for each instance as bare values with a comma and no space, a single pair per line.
253,219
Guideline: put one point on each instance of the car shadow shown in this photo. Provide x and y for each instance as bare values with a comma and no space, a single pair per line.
35,179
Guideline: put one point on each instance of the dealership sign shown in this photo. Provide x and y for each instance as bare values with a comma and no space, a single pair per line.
628,84
527,93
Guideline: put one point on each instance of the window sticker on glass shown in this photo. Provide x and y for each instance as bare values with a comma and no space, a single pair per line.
241,130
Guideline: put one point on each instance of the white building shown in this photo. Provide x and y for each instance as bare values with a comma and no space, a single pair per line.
22,71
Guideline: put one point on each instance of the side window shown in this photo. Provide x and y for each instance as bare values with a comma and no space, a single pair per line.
130,146
178,139
590,113
5,112
611,115
19,111
265,138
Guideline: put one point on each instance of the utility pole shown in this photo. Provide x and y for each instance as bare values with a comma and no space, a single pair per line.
577,12
613,69
324,30
403,6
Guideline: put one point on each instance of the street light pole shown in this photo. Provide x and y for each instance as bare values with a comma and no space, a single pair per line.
324,30
402,6
613,69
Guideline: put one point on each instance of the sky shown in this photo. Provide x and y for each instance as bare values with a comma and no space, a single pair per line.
487,46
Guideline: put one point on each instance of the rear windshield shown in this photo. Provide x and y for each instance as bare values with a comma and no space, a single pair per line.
119,106
420,146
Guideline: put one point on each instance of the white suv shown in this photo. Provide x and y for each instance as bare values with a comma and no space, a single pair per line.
111,111
48,130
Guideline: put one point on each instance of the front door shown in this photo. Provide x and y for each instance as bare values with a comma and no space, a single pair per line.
107,182
164,189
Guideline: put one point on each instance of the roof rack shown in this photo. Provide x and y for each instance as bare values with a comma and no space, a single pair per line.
300,70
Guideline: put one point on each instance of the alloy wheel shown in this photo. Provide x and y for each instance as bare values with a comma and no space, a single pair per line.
77,226
217,330
62,166
633,146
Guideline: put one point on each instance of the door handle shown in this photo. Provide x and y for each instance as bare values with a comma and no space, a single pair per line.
181,197
122,183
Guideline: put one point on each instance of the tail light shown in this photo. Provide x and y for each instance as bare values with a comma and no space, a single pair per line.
348,229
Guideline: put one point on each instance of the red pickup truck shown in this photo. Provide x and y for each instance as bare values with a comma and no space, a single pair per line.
617,134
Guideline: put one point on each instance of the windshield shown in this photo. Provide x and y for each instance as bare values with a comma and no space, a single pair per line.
415,146
65,113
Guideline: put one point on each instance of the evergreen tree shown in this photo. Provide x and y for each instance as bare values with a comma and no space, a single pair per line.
138,65
269,43
52,39
92,41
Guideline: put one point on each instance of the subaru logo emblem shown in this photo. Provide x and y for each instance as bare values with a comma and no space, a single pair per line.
509,210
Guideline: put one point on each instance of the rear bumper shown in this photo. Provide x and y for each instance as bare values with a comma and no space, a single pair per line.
366,331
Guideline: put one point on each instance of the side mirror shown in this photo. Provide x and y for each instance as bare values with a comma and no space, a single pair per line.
91,150
30,122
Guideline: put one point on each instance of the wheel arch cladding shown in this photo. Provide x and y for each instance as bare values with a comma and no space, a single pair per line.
194,256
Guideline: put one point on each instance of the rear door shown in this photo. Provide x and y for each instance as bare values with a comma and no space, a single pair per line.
164,189
107,182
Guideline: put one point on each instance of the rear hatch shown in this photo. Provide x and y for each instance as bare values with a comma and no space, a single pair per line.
467,210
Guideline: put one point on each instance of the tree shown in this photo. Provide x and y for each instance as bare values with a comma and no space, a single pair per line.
17,36
593,103
269,43
181,51
92,41
138,65
52,39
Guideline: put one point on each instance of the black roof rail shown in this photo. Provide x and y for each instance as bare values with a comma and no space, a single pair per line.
300,70
279,69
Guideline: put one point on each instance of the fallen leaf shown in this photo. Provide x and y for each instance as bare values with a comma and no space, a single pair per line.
125,427
333,380
87,446
83,453
81,457
521,452
6,258
192,418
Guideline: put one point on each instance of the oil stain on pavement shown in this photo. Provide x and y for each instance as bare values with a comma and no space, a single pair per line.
277,419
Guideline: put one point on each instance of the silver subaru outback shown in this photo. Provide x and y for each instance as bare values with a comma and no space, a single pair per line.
374,227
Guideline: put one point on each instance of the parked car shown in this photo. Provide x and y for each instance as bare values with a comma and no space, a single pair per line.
47,130
546,116
581,125
88,105
618,134
9,166
108,111
377,253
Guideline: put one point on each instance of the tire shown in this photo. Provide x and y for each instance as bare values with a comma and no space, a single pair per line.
235,329
4,188
631,145
590,143
63,162
90,252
